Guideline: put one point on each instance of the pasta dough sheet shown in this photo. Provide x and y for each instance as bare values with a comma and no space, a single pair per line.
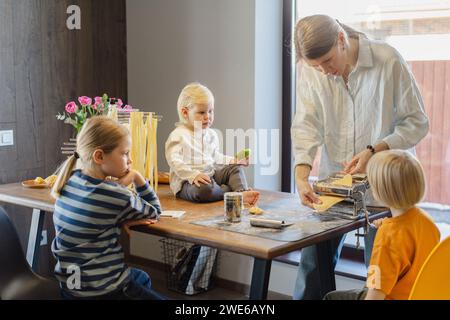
344,181
327,203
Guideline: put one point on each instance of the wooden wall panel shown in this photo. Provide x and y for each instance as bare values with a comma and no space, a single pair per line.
28,81
57,85
7,86
107,50
43,65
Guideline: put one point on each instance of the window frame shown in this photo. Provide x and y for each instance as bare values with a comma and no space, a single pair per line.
288,95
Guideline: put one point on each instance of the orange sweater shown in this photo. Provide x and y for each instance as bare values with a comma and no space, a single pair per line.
401,246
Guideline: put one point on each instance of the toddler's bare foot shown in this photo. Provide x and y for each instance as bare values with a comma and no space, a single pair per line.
250,197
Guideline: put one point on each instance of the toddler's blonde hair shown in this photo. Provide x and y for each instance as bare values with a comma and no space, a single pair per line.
396,178
193,94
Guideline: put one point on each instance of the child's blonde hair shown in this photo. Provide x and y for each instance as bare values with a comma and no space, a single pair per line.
193,94
98,132
396,178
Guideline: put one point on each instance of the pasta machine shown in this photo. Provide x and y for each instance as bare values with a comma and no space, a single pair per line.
354,195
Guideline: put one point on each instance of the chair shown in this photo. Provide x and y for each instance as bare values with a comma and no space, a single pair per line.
433,281
17,280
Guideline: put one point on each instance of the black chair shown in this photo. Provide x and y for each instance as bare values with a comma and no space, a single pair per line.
17,280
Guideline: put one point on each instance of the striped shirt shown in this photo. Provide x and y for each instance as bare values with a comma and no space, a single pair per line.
88,217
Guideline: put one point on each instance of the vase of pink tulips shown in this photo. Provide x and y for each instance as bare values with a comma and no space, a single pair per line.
76,114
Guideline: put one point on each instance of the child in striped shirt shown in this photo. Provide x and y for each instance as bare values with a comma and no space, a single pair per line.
89,211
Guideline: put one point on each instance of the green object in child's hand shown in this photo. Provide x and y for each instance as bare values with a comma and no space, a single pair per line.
243,154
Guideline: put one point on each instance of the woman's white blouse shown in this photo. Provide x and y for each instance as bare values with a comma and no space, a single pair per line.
382,103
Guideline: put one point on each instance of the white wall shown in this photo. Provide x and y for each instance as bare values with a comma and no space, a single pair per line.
174,42
232,46
268,90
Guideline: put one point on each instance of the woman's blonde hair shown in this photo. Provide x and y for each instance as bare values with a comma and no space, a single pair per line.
396,178
193,94
315,36
98,132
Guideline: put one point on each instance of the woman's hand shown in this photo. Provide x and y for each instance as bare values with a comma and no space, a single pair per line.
307,195
202,178
359,163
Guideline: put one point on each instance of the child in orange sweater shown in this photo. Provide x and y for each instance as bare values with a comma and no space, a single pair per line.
403,242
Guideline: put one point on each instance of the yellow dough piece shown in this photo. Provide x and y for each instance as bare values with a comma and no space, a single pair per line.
39,180
344,181
255,210
327,202
50,180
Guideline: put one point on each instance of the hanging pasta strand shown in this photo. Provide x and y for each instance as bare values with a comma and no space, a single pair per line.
155,152
137,141
149,156
142,142
134,138
144,148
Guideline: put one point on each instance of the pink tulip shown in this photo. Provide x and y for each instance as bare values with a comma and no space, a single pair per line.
85,101
71,107
98,101
127,108
119,103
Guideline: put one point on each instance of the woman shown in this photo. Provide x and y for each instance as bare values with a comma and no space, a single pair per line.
356,97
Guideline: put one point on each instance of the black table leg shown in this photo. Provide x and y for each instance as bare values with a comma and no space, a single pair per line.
260,279
325,266
34,239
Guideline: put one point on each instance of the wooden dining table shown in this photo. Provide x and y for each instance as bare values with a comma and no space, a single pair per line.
263,250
